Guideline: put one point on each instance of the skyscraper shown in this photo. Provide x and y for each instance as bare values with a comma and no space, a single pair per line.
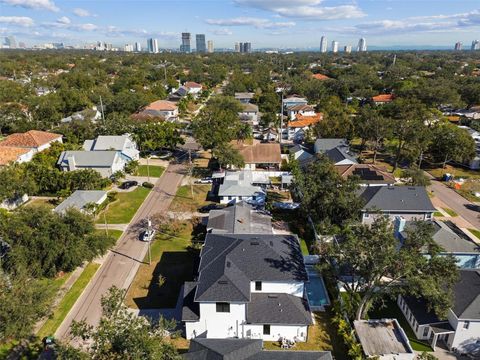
11,42
323,44
362,45
185,47
245,47
458,46
335,46
347,49
138,47
128,48
210,46
237,47
200,43
152,46
475,45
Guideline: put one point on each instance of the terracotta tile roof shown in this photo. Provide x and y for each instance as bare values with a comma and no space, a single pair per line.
302,121
453,118
383,98
161,105
30,139
192,84
259,153
367,173
320,77
11,154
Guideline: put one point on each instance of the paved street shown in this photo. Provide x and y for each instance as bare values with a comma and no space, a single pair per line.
122,262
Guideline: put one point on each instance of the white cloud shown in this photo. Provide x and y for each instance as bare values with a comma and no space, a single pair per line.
259,23
85,27
64,20
305,9
33,4
16,20
82,12
222,32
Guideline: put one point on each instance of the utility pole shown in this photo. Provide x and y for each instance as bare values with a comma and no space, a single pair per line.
148,168
149,226
281,120
101,107
190,170
105,221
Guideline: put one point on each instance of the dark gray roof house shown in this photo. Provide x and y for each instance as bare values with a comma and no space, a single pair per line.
245,349
337,150
240,218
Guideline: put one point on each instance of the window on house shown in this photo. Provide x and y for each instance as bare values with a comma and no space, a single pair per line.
266,329
239,198
258,285
466,324
366,215
229,198
425,331
223,307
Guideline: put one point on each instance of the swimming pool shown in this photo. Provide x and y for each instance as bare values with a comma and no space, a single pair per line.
316,291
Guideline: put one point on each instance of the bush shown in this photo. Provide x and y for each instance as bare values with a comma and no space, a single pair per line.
148,185
112,196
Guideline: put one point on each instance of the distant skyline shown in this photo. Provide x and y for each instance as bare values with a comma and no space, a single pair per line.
265,23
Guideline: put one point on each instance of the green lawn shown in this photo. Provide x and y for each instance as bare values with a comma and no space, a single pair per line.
68,300
183,201
155,170
475,232
450,212
122,210
304,247
437,214
172,261
391,310
457,171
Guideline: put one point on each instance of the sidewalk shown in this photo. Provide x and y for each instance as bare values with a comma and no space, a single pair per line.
121,227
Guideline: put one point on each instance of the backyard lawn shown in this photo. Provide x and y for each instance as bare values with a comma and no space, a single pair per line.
122,210
321,337
172,262
392,311
155,170
59,314
183,201
50,203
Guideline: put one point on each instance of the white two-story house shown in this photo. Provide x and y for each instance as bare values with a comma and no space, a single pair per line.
123,144
248,286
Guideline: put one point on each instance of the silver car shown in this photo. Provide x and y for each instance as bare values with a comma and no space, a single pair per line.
148,235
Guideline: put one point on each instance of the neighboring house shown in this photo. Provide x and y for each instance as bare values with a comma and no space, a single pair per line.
34,140
300,109
158,109
293,101
474,164
80,198
461,329
383,339
242,185
104,162
321,77
10,155
244,97
240,218
13,203
245,349
409,202
260,155
337,150
92,114
302,154
249,113
41,91
450,238
123,144
248,286
383,99
193,88
302,123
368,174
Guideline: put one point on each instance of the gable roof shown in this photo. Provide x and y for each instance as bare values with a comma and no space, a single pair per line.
302,121
397,198
192,85
368,173
247,107
320,77
467,295
325,144
301,107
339,154
383,98
30,139
88,158
106,142
244,95
240,218
228,263
259,153
79,199
161,105
294,98
239,183
10,154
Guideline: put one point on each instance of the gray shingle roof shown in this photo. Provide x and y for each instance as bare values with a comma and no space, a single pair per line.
190,309
340,153
323,145
106,143
397,198
245,349
230,262
88,158
278,308
79,199
467,295
247,107
239,219
239,183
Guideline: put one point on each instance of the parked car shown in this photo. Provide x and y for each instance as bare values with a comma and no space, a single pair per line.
128,184
207,208
205,180
148,235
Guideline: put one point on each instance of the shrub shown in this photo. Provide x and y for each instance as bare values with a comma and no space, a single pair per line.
112,196
148,185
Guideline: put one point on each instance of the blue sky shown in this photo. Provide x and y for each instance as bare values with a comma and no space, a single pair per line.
265,23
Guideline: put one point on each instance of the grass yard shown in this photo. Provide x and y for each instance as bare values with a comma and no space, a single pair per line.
113,233
391,310
304,247
475,232
50,203
172,261
437,214
456,171
450,212
122,210
68,301
155,170
183,201
321,337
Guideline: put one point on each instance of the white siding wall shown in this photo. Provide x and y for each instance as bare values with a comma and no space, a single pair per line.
276,332
292,288
464,339
408,217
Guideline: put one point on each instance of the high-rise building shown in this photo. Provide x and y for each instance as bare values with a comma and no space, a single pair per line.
323,44
475,45
458,46
362,45
210,48
138,47
185,47
11,42
128,48
200,43
245,47
334,46
152,46
237,47
347,49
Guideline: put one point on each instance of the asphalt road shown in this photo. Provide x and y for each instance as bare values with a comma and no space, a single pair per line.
456,202
122,262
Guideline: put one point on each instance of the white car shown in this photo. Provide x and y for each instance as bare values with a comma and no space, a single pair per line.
148,235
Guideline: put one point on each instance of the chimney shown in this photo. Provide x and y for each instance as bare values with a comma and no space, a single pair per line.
71,163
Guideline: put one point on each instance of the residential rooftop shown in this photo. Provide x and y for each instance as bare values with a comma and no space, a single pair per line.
367,173
397,198
30,139
79,199
240,218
